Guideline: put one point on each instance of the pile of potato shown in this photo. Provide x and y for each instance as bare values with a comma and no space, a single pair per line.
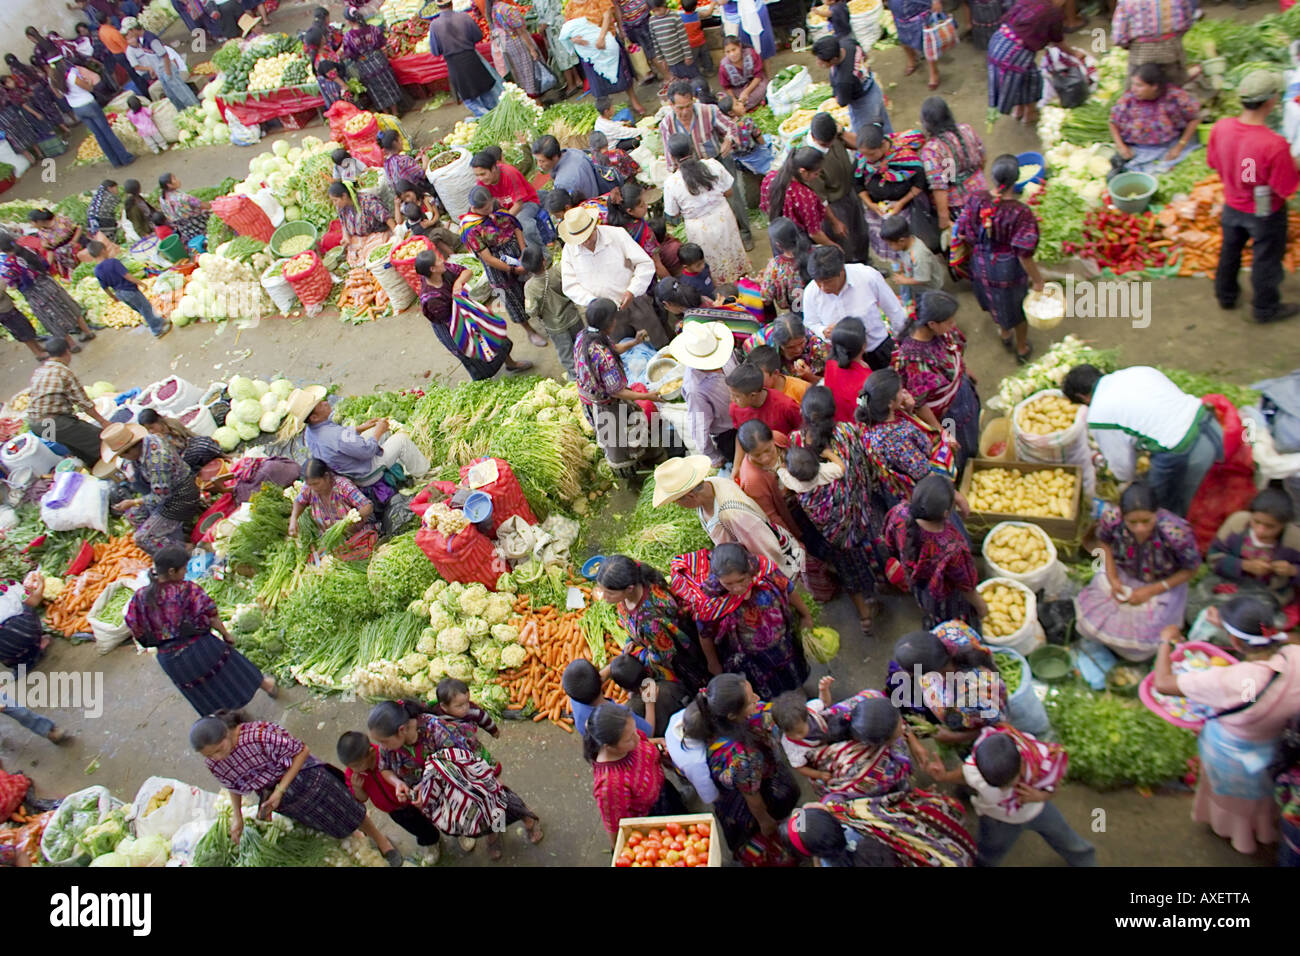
1006,609
1046,415
1048,493
1018,548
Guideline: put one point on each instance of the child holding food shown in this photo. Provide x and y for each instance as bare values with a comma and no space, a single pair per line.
361,759
933,554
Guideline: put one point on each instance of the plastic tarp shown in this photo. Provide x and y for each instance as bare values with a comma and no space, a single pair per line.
273,105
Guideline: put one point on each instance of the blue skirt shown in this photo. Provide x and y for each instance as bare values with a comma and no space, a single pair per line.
1235,767
211,674
1014,80
1001,284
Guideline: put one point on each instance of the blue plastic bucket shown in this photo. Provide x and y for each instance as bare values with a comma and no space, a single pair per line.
1032,159
478,507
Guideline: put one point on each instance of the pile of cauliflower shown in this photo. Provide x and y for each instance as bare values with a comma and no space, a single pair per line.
469,637
1082,169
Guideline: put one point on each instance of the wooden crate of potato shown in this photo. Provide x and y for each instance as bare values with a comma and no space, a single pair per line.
1017,547
1046,413
1011,606
1045,495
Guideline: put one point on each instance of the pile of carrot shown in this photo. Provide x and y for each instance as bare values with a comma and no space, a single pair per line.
1193,225
113,558
363,294
28,834
553,640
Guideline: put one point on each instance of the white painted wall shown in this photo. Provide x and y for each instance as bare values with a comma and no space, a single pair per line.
17,15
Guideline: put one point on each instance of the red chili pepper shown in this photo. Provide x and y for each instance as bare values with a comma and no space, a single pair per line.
35,543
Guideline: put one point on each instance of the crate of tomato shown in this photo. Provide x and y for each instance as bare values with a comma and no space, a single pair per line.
685,840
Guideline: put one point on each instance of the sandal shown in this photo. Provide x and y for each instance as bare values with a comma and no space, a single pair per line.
520,367
75,349
1009,344
932,86
1022,358
912,69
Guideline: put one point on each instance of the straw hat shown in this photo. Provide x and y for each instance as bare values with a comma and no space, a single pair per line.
129,24
117,438
303,400
577,225
677,476
705,346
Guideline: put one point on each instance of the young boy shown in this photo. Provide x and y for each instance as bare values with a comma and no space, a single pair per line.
768,359
1013,776
672,46
347,168
124,287
656,701
695,271
633,18
547,305
612,122
466,716
751,398
919,270
581,681
607,157
361,758
803,725
692,12
161,228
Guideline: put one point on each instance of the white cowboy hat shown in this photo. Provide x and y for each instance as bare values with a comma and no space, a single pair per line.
705,346
302,401
115,439
577,225
677,476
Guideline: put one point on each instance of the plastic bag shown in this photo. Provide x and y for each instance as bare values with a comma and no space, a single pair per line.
75,501
1026,637
108,636
1068,447
516,538
453,183
100,802
397,515
1057,619
241,135
182,804
786,99
1067,78
939,35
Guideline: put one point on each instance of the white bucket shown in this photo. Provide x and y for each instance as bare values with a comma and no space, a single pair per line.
198,419
398,290
280,290
185,395
28,451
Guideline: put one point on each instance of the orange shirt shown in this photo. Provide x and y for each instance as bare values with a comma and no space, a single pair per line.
112,38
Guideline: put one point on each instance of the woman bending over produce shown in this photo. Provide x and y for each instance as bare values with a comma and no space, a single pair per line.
1150,555
163,514
903,447
629,781
265,759
661,635
178,618
951,661
1254,701
432,767
333,499
1154,123
187,214
195,450
366,223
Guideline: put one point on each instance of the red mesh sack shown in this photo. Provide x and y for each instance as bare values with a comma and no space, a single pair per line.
420,503
507,496
467,557
403,259
244,216
337,116
312,285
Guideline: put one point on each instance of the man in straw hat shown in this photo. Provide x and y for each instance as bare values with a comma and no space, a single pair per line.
56,397
172,501
605,262
726,512
1259,176
705,349
363,453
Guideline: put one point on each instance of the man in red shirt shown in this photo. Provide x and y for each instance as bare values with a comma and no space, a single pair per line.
367,784
1259,175
751,400
513,193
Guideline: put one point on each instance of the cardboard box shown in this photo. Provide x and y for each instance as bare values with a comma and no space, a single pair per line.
1063,529
644,824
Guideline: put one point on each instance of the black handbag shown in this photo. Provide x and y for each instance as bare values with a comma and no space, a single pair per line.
1071,86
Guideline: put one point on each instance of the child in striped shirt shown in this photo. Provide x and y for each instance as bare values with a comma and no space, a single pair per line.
672,46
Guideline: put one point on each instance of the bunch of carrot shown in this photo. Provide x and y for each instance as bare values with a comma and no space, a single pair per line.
28,834
553,640
1193,225
363,294
113,558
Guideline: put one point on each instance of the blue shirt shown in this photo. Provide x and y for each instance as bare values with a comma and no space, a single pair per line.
344,449
112,275
701,282
574,173
583,711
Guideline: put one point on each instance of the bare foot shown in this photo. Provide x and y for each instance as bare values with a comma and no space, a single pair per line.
535,834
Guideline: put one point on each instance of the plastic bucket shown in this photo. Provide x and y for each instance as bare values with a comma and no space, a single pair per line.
1131,192
172,248
478,507
1050,663
28,451
1045,310
1032,159
291,230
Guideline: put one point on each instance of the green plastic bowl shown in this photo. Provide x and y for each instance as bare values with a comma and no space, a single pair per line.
291,230
1128,689
1132,192
1050,663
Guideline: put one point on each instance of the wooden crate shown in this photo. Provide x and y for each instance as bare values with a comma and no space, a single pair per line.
628,824
1064,529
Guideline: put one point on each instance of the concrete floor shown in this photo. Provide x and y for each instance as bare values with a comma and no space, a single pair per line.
143,731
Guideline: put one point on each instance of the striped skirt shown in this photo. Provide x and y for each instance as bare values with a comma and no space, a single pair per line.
1168,53
52,305
20,128
211,674
1014,80
379,80
508,286
319,799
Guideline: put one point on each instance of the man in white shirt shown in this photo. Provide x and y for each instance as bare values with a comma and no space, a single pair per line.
840,291
605,262
1139,409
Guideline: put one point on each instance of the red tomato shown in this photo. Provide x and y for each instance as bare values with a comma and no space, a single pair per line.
702,829
679,845
654,835
623,861
680,863
672,856
652,855
674,829
634,839
691,859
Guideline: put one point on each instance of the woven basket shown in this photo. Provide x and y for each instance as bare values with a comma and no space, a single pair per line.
313,286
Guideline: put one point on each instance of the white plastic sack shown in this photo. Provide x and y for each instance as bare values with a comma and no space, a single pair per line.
86,504
185,839
453,183
1030,633
107,803
399,291
1051,578
516,538
186,804
241,135
786,99
164,117
270,205
1069,447
107,636
280,290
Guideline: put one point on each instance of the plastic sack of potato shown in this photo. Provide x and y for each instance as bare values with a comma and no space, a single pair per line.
1003,628
1067,445
1023,552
